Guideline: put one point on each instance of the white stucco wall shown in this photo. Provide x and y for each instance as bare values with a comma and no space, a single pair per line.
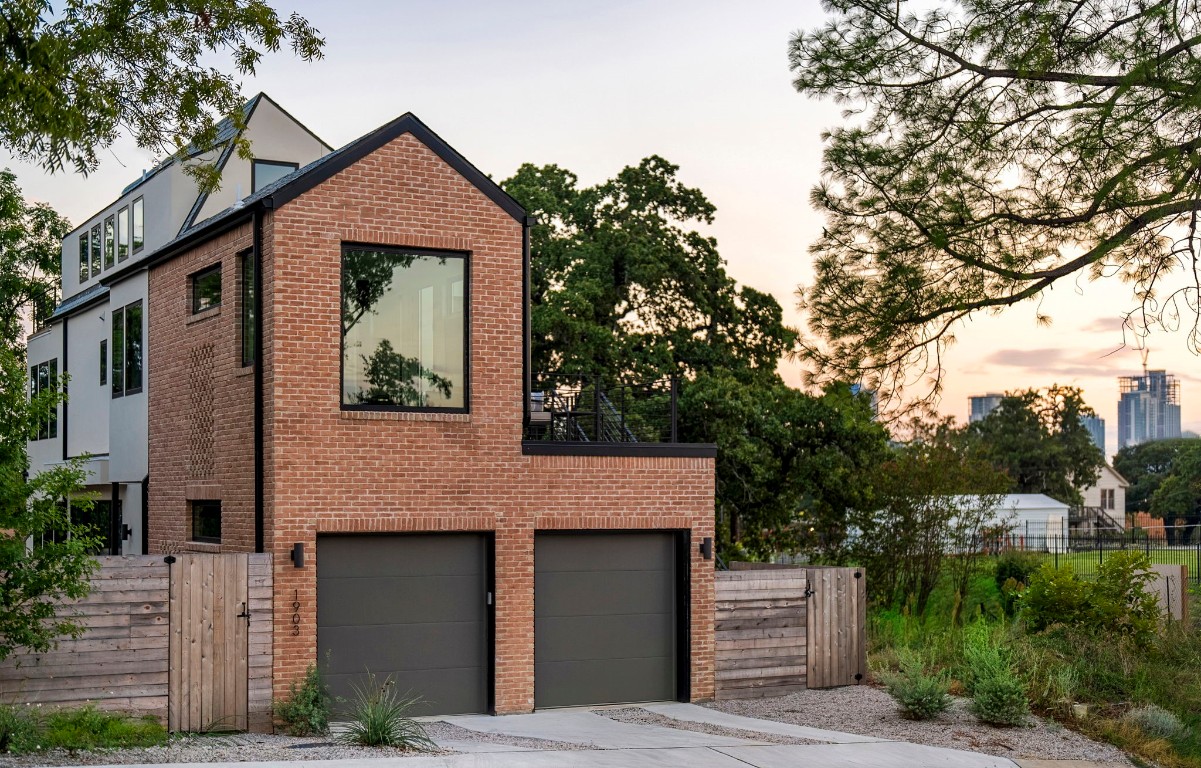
128,415
88,399
42,346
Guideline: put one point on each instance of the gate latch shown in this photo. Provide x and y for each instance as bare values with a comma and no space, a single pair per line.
808,593
245,614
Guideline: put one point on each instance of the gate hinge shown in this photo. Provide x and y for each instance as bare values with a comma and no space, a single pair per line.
858,676
808,593
858,575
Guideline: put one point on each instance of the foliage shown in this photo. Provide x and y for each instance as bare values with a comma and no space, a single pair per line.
622,285
33,579
1145,466
380,718
305,712
1117,603
79,73
30,249
1178,497
91,728
983,658
934,500
1156,721
1013,571
397,379
17,729
1037,438
1000,699
991,151
920,695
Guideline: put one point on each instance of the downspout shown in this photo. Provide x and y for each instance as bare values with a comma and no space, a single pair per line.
62,377
259,496
526,355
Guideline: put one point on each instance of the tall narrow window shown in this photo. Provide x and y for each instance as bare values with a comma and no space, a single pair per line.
138,224
44,377
264,172
206,289
110,242
118,351
404,329
123,234
133,348
103,362
83,258
97,246
249,327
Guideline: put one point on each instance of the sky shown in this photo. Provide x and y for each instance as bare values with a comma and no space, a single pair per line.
594,87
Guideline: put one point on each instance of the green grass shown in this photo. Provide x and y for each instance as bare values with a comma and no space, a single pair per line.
35,730
1087,562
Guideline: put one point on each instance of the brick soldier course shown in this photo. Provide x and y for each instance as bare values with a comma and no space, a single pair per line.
330,470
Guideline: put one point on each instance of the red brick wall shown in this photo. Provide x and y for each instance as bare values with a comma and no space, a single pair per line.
330,471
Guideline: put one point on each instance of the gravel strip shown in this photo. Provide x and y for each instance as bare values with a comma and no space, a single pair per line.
640,716
869,711
439,731
243,747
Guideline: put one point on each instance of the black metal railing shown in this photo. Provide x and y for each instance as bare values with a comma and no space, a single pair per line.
588,409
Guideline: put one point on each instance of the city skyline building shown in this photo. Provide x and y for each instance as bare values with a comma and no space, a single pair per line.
1096,430
1148,408
982,405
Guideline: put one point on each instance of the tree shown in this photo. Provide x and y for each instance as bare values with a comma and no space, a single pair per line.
991,151
1178,497
623,286
1145,466
1037,438
934,499
33,578
399,380
75,76
30,249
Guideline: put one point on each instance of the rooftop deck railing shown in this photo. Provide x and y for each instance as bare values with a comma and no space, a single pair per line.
587,409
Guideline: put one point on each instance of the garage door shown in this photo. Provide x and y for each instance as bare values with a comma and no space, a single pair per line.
413,607
605,628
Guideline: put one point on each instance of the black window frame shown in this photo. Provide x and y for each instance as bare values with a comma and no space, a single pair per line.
193,285
97,248
255,162
466,257
198,505
123,243
110,241
121,369
249,324
137,220
104,362
85,257
43,376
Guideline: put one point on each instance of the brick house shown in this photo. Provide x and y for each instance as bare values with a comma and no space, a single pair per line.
337,370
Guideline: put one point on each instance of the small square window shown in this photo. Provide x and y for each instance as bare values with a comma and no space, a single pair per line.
206,521
206,289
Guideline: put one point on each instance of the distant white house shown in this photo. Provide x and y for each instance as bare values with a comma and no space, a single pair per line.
1034,520
1104,502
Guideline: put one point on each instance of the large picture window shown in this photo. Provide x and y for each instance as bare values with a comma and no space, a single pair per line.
404,329
127,349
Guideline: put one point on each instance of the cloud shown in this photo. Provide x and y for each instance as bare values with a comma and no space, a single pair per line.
1109,325
1025,358
1050,362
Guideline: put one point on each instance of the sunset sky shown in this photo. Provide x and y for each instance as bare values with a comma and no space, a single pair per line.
597,86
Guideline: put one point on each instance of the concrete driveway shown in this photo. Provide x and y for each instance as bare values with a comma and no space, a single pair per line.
607,743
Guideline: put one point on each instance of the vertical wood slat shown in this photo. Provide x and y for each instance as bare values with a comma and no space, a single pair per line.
837,623
760,628
208,688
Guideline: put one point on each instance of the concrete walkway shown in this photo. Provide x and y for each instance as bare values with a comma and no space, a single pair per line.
612,744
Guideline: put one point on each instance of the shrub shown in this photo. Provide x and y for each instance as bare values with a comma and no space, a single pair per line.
919,694
1054,596
306,710
982,655
90,728
380,718
1019,566
16,729
1000,700
1156,722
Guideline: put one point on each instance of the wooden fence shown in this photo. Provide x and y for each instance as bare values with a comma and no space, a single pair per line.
146,634
782,629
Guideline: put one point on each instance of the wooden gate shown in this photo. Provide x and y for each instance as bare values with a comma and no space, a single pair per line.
210,622
837,637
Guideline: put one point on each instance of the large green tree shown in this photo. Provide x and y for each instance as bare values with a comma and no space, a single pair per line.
30,251
1037,439
76,74
992,150
623,286
1165,481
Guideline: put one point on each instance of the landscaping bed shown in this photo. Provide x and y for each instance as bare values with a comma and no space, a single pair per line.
870,711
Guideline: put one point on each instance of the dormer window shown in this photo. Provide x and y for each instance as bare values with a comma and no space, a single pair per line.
264,172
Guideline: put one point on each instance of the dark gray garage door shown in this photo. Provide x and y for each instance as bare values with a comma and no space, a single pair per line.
412,606
604,618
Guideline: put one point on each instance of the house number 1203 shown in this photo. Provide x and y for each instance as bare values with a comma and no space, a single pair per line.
296,613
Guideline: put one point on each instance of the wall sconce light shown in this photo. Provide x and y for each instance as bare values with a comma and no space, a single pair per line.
707,547
298,555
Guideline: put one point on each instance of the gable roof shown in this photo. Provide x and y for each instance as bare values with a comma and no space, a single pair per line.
289,187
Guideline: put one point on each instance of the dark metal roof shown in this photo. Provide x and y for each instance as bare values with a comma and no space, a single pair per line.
79,301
